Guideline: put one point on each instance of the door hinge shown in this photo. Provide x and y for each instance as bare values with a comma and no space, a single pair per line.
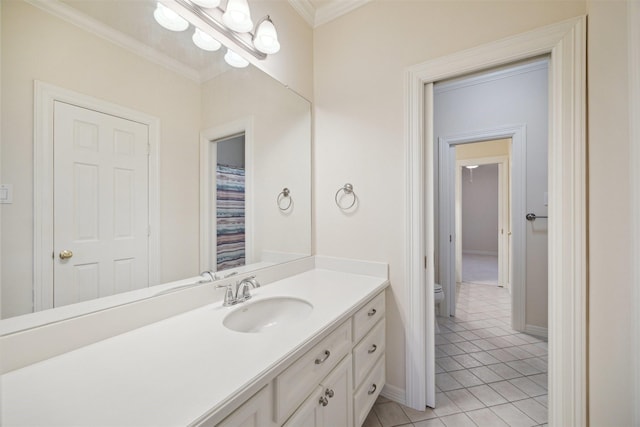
450,238
425,262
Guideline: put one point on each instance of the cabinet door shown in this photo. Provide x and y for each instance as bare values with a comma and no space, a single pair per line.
309,414
336,389
255,412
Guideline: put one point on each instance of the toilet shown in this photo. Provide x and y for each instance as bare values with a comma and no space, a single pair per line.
438,297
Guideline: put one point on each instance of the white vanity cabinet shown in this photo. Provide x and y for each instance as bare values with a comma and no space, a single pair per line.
334,384
330,404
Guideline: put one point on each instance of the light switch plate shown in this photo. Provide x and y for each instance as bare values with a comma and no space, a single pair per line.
6,193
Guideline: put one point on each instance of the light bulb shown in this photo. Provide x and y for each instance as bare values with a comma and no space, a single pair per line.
238,16
204,41
207,4
235,60
266,38
169,19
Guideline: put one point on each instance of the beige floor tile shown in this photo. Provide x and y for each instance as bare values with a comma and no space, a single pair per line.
505,371
448,363
486,418
446,382
414,415
523,367
371,420
513,416
529,387
466,378
457,420
487,395
464,400
466,361
435,422
485,374
533,409
508,391
445,406
390,414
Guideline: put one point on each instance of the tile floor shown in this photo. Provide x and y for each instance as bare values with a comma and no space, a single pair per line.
486,373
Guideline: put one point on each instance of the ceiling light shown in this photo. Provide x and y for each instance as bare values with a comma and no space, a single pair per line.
204,41
471,166
235,60
237,16
169,19
266,37
208,4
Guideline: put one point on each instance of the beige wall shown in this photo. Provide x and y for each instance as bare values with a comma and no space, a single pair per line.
359,60
610,283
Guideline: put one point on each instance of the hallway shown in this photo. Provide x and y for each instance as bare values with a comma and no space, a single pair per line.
486,373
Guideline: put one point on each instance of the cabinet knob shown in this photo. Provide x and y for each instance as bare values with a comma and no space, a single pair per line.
329,393
372,312
372,389
373,349
323,359
323,401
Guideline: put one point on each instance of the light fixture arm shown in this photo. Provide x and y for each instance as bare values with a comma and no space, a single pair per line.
213,19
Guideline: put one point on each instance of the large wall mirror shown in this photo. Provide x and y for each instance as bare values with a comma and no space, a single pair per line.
117,130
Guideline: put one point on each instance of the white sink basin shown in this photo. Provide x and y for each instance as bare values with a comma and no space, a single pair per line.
262,315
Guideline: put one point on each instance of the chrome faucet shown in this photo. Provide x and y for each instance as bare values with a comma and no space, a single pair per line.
242,292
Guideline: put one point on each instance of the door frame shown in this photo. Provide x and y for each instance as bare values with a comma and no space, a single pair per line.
503,213
566,43
518,135
45,95
207,205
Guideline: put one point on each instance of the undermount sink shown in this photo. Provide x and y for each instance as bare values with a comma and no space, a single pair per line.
262,315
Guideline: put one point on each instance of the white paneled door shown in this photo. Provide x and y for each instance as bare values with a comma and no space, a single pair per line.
101,204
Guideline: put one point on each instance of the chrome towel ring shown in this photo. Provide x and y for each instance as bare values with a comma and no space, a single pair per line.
284,194
346,189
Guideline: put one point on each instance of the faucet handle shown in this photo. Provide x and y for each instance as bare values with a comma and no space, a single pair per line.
229,298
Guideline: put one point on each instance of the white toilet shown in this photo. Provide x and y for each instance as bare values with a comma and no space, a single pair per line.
438,297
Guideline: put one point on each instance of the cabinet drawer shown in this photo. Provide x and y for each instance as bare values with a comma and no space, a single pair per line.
367,352
368,316
368,392
297,381
255,412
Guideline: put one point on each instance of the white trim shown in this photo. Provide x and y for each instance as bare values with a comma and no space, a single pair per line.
305,9
633,40
537,331
329,10
493,75
396,394
44,97
207,236
518,135
566,41
93,26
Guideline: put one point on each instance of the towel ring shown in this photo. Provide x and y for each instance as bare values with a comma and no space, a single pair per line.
284,194
347,189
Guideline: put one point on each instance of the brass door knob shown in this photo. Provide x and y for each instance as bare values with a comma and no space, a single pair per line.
66,254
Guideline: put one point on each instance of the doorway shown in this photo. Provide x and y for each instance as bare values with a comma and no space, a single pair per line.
566,42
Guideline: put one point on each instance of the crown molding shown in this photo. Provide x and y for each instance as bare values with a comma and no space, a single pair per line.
104,31
328,12
335,9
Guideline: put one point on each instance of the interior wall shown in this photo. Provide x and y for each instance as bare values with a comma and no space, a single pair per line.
89,65
360,122
518,98
480,210
610,282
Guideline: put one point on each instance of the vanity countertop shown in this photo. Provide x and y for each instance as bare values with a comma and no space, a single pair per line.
173,372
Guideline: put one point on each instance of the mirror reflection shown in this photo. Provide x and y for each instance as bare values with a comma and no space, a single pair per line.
133,158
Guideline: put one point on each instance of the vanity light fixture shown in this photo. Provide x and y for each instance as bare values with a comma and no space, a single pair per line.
235,60
233,25
204,41
237,16
266,37
169,19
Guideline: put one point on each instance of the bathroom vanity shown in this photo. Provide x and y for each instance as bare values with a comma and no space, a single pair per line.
305,350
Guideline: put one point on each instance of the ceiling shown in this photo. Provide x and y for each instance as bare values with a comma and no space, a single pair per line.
318,12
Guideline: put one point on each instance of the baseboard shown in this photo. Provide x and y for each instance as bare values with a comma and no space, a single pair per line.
537,331
474,252
396,394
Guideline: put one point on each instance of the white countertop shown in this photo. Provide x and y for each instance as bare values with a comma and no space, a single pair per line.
173,372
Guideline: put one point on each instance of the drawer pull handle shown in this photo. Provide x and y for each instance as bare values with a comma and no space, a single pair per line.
372,389
329,393
320,360
372,312
373,349
323,401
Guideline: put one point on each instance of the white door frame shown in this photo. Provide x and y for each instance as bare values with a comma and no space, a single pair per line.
207,204
566,43
45,96
518,135
503,213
